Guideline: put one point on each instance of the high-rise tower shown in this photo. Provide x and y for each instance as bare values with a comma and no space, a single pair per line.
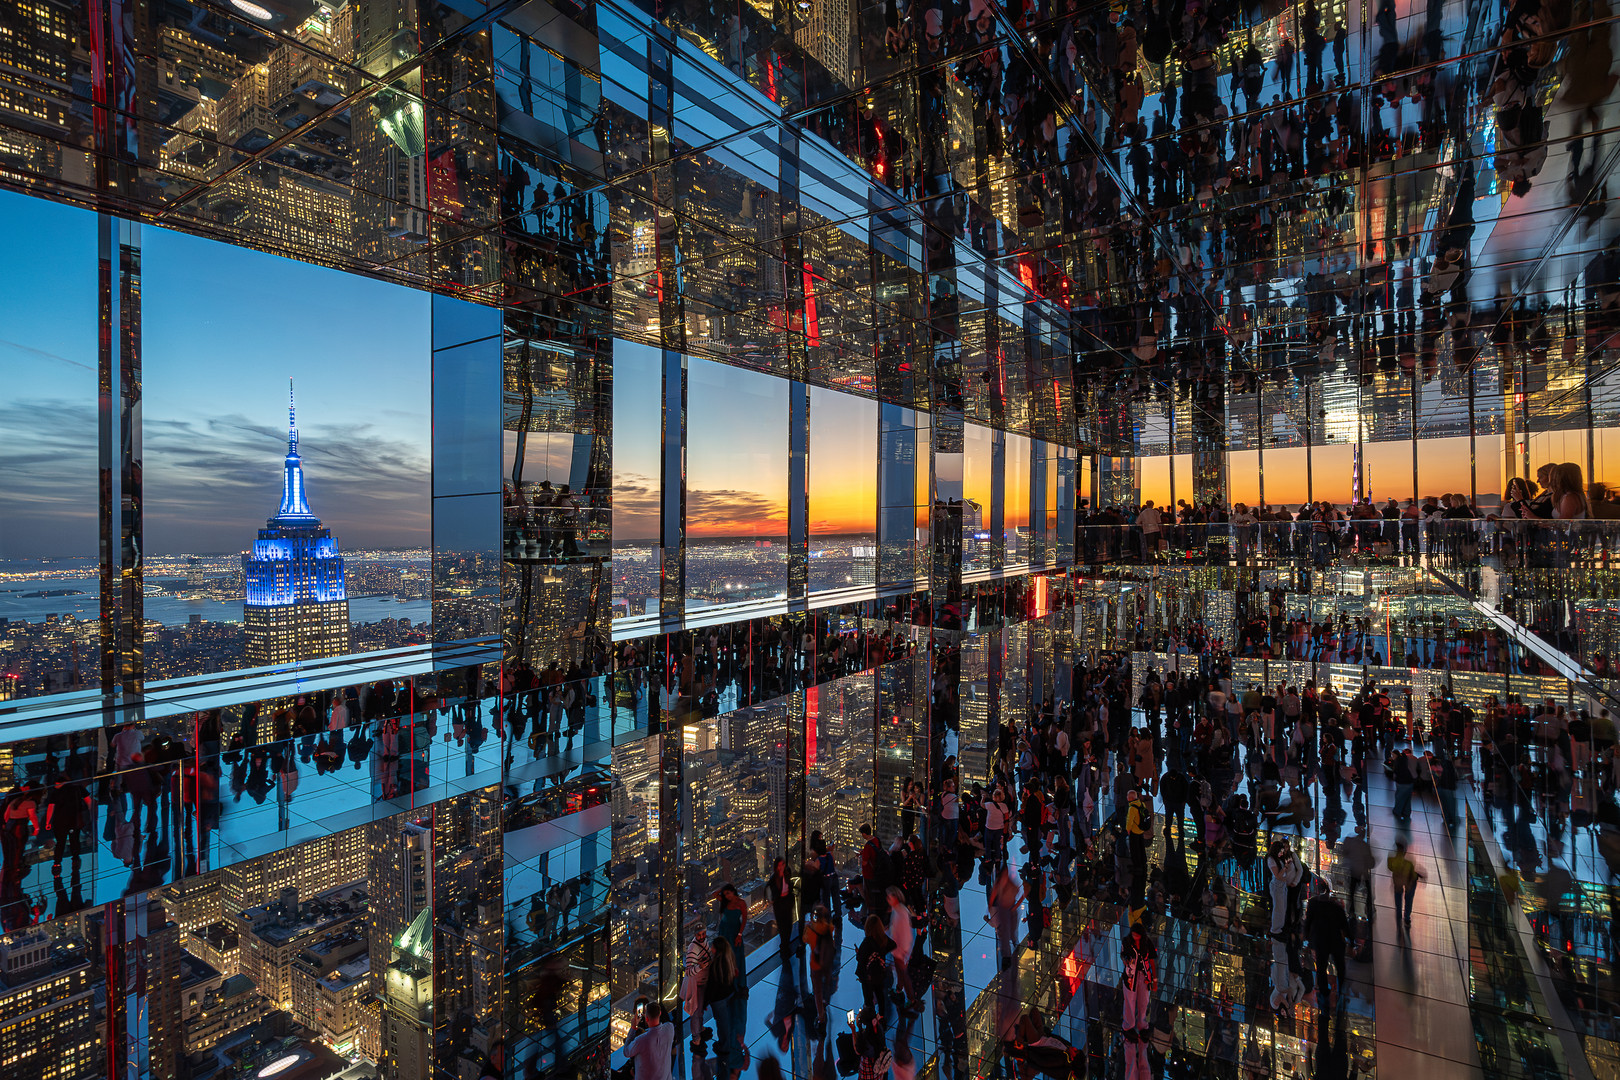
296,605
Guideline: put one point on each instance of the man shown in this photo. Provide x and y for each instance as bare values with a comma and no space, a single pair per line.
1138,820
650,1050
1150,522
1327,928
1406,767
1404,876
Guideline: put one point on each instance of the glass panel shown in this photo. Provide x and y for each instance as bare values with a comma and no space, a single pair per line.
1332,472
1443,467
1386,469
842,496
978,467
1015,500
1286,479
736,486
1153,478
267,545
49,570
1243,476
637,441
466,395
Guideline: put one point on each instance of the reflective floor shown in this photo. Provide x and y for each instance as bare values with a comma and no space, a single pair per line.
1463,991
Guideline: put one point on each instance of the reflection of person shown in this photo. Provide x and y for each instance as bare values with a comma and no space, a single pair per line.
1139,957
67,809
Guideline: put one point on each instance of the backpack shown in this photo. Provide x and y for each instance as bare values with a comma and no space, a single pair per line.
825,949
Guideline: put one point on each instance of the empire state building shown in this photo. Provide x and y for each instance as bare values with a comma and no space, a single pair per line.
296,605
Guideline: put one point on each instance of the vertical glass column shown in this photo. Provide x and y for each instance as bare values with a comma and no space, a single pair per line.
467,376
119,372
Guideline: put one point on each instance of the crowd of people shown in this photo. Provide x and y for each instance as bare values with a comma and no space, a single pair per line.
1323,531
1191,801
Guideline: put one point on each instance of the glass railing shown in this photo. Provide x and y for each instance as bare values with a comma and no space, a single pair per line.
1511,597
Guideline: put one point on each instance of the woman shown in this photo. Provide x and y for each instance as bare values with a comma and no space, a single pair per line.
870,971
911,806
694,984
724,993
1541,505
1143,763
1286,874
1568,492
732,915
870,1047
1521,493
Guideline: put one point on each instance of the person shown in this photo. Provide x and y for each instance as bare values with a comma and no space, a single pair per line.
1357,856
732,913
869,969
1150,523
566,510
726,996
1405,779
694,980
650,1050
780,888
1286,874
1568,492
872,872
1139,957
1404,876
904,939
1520,494
67,809
1003,914
871,1047
820,937
996,812
1327,929
950,813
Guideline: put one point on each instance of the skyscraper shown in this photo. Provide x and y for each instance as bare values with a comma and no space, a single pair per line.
407,1013
296,605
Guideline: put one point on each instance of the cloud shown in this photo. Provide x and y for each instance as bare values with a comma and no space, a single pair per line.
211,483
49,478
729,512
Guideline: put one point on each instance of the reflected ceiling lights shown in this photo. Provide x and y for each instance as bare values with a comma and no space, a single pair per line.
249,8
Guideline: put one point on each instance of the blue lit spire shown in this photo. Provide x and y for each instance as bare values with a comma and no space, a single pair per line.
294,499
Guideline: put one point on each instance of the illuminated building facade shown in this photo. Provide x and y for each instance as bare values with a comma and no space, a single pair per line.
296,605
407,1003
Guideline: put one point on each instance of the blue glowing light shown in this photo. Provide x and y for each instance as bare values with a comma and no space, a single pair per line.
294,560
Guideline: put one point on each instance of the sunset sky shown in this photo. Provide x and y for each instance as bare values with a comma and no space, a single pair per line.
1387,469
